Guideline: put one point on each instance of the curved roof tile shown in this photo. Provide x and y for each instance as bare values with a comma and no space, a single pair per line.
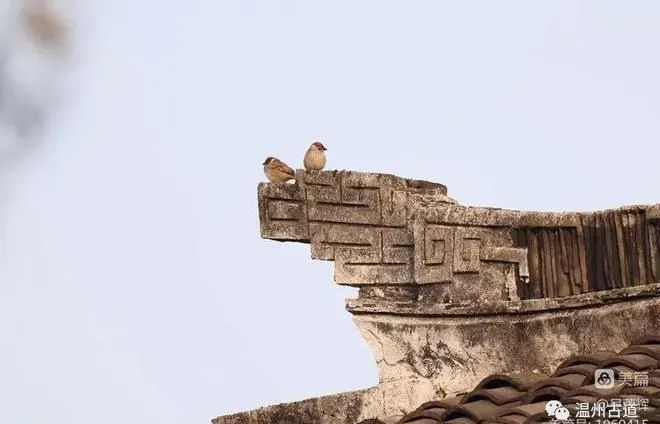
586,370
521,381
652,350
498,395
594,358
637,362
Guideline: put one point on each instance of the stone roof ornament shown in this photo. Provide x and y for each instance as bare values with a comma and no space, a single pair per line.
451,297
387,232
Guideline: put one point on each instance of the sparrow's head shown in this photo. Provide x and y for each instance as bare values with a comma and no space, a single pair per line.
268,160
319,146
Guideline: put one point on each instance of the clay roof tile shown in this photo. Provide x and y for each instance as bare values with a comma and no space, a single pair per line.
585,369
652,350
638,362
431,410
477,411
591,390
424,416
460,420
498,395
527,410
508,419
442,403
421,419
567,382
594,358
389,420
520,381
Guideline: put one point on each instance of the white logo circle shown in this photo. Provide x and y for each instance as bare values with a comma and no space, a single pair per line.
562,413
551,407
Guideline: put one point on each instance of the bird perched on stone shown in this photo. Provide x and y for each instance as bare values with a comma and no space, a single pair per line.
315,157
277,171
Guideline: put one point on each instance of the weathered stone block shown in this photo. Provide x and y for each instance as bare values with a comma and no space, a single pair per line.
358,220
453,348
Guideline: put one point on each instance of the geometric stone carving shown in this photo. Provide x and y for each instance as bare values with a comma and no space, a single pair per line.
358,220
379,255
467,251
383,230
508,254
445,254
441,252
434,250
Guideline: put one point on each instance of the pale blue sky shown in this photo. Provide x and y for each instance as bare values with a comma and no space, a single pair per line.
135,285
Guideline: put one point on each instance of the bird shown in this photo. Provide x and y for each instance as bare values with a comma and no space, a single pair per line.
277,171
315,157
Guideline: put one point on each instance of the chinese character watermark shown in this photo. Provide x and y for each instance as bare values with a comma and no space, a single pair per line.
634,378
604,378
616,410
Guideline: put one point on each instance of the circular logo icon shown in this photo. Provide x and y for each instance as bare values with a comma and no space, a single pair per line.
562,413
551,407
604,379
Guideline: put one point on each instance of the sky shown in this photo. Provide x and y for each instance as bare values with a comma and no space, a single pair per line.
134,285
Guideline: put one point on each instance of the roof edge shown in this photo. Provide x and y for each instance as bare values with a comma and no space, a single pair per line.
495,308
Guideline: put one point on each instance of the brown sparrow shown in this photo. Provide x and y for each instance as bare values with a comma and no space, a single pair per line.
315,157
277,171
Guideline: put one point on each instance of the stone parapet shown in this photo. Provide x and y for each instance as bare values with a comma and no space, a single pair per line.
403,239
358,220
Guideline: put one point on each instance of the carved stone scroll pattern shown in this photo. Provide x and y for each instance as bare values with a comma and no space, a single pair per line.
606,250
442,253
283,212
384,230
352,198
359,222
372,255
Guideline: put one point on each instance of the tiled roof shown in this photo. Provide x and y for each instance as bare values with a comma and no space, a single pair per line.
389,420
521,398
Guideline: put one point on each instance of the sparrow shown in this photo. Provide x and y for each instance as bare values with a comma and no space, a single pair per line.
277,171
315,157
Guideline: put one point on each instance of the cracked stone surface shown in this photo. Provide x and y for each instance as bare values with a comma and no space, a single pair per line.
455,351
